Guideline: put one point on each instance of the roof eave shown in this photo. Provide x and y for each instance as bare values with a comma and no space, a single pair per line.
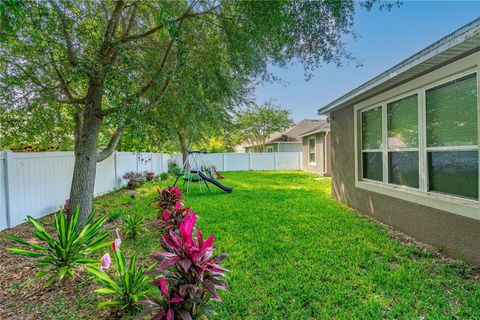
467,36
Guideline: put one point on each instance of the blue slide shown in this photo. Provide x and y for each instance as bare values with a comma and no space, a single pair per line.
214,182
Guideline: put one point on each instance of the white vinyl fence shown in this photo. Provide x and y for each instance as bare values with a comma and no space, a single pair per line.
38,183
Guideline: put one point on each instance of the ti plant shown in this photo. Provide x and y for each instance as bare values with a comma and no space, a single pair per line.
129,285
60,255
133,225
167,198
172,218
192,272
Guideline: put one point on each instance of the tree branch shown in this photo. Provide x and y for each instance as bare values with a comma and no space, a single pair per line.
159,72
72,57
184,16
111,29
112,145
159,98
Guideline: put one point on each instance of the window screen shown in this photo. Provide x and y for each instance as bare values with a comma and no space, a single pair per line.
311,150
452,113
402,123
452,142
402,138
372,128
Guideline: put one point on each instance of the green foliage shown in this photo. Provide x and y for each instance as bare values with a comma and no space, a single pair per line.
258,122
133,225
62,254
164,176
114,214
129,285
11,13
211,54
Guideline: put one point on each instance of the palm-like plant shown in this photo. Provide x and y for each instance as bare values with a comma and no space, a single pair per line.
70,246
127,288
133,225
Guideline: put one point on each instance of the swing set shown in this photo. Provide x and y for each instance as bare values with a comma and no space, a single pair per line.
197,168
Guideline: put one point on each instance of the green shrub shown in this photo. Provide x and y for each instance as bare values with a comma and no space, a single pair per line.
163,176
129,285
60,255
133,225
114,215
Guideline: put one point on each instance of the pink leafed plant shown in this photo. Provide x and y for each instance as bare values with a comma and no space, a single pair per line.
171,219
167,199
192,271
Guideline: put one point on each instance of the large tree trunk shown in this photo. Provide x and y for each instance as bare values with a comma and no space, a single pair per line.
184,148
83,180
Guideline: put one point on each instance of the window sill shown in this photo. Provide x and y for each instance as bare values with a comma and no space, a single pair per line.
463,207
312,164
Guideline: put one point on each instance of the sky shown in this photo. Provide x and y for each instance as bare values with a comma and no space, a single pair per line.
385,39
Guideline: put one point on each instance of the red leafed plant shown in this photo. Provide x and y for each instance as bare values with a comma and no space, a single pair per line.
149,175
171,219
192,271
167,198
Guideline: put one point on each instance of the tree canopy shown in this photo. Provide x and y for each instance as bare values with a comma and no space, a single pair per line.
110,65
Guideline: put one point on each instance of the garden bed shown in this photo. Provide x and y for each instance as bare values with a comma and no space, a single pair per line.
294,254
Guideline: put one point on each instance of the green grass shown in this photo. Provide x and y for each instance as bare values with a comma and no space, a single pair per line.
297,254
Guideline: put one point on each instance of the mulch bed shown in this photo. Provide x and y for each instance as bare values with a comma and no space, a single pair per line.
18,297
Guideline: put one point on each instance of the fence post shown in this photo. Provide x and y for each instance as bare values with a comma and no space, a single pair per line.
250,161
275,161
115,168
8,184
224,162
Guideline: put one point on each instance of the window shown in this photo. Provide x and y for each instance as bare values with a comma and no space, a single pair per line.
402,138
424,142
269,148
452,142
372,162
312,151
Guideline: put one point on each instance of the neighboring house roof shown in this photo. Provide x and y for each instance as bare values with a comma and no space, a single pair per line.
292,135
458,44
325,127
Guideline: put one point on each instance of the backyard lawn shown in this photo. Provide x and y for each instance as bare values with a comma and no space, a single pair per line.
294,254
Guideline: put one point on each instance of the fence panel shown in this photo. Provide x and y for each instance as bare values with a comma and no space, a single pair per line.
39,183
157,163
215,159
236,162
263,161
125,162
3,194
288,161
105,176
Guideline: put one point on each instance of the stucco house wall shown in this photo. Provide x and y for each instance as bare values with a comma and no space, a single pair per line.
454,233
290,147
322,154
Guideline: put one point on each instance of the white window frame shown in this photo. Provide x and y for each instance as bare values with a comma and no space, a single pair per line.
269,148
450,203
314,163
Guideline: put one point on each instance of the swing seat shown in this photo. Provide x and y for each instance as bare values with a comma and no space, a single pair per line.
191,177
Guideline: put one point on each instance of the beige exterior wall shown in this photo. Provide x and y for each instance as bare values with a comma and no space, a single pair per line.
452,232
279,147
322,150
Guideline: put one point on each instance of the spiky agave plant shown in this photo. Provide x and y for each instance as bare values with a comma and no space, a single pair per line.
70,247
